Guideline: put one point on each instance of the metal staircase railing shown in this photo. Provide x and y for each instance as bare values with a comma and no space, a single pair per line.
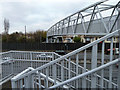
14,62
76,80
69,66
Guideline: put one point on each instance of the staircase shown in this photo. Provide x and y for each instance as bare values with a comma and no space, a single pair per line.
68,72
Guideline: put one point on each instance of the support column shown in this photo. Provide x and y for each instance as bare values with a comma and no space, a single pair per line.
84,70
118,27
119,64
94,65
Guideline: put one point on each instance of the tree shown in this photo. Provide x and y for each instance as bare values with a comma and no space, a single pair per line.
13,37
21,39
77,39
40,36
6,25
4,38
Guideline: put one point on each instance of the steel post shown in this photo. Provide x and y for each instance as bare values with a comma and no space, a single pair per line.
119,63
94,65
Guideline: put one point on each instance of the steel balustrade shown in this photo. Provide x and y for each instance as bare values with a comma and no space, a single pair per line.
71,66
88,74
14,62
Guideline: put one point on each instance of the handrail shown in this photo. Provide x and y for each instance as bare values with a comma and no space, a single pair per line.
30,51
23,72
23,51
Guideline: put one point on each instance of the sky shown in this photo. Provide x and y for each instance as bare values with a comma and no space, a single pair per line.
39,14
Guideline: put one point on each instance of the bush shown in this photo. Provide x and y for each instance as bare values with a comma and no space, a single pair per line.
77,39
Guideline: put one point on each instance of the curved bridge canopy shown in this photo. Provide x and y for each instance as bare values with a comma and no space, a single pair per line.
97,19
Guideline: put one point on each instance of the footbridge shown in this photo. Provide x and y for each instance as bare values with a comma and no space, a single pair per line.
98,19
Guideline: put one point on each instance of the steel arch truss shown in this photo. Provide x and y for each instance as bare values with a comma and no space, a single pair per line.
91,20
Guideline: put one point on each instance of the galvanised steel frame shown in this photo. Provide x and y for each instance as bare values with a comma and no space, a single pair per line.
14,62
88,21
67,71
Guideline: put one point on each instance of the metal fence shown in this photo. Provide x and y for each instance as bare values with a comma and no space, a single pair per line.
49,46
41,46
14,62
66,71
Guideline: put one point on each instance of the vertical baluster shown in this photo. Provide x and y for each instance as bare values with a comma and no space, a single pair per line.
15,55
52,56
31,58
102,62
62,70
32,81
13,84
84,78
94,65
27,56
119,62
66,74
54,73
39,78
41,58
69,67
35,56
23,55
25,83
110,68
20,54
11,63
47,73
77,62
11,55
29,80
36,80
46,56
21,83
77,69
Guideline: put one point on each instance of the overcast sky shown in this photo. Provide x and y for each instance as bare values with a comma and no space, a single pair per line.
39,14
